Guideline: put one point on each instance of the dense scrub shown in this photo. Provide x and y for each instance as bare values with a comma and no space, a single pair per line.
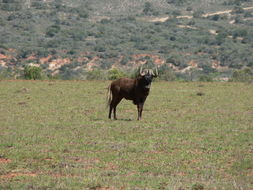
112,32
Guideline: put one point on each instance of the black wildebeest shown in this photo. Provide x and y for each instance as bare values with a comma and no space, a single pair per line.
136,90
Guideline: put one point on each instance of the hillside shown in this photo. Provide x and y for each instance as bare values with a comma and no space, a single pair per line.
68,39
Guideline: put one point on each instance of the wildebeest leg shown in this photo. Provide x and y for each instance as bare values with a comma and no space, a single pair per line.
110,111
117,101
139,107
113,106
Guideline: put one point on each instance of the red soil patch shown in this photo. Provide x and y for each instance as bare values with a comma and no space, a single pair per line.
31,57
4,161
45,59
48,159
2,56
57,63
157,59
193,63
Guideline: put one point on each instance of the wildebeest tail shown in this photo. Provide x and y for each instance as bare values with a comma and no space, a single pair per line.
109,95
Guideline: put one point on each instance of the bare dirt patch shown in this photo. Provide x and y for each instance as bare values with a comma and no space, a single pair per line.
165,18
4,160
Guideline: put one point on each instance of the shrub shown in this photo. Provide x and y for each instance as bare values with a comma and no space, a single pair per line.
71,73
115,74
52,30
54,43
125,60
215,17
247,14
32,72
24,53
197,186
106,64
189,9
238,10
5,73
166,73
206,78
240,32
10,5
100,48
83,14
250,64
149,9
207,68
198,13
245,75
95,75
176,13
176,2
38,5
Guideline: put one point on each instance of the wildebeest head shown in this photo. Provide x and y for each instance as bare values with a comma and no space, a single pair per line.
147,76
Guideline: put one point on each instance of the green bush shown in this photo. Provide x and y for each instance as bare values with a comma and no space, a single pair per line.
238,10
206,78
198,13
95,74
115,74
52,30
197,186
5,73
166,73
215,17
32,72
176,2
11,6
245,75
149,9
38,5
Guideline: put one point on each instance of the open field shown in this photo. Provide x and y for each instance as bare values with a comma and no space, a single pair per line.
56,135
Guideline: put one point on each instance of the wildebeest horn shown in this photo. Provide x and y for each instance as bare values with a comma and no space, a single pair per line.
141,73
156,72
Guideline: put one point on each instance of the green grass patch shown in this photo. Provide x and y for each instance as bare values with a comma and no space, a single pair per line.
56,135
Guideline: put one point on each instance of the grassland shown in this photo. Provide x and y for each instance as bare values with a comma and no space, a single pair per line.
56,135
